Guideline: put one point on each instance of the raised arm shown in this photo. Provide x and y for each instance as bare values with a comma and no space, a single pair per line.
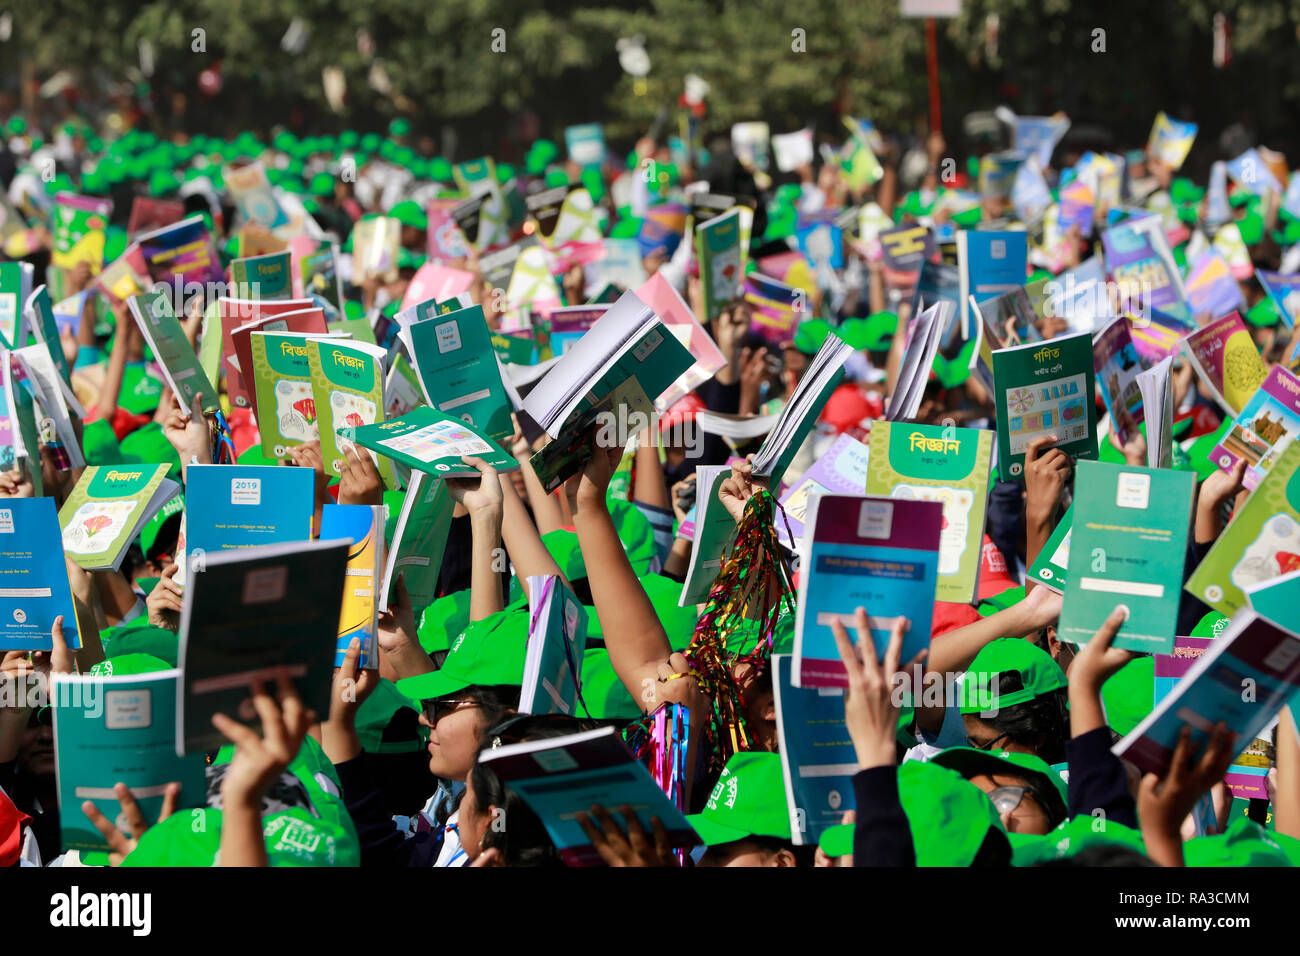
482,498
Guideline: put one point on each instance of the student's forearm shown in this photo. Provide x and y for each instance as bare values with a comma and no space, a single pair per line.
106,405
650,487
485,583
242,843
340,742
1286,796
953,652
547,511
679,559
522,541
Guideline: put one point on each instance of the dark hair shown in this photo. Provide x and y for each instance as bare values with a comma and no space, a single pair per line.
1106,854
521,837
1041,724
804,856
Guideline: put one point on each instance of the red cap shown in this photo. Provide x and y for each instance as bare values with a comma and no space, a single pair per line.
12,822
949,617
850,406
683,410
994,576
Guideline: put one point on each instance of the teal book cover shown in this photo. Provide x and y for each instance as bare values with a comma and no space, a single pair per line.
233,507
557,638
1128,539
457,365
419,541
35,576
1052,566
1045,388
431,441
110,730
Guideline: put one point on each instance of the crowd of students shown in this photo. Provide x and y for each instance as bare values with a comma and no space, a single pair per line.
391,775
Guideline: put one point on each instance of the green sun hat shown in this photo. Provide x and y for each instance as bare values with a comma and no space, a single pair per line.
141,392
388,722
678,622
409,213
603,695
123,665
443,620
1070,838
748,800
1038,672
880,330
1046,785
810,335
148,445
141,639
489,652
1244,843
950,817
1001,601
1129,694
1211,625
99,444
636,533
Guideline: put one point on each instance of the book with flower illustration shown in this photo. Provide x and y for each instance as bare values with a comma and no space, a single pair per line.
1045,388
108,507
430,441
347,382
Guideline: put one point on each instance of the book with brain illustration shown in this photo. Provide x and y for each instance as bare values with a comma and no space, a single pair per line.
107,509
945,464
347,380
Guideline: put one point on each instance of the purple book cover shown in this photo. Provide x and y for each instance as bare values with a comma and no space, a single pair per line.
1116,362
1270,421
578,318
841,471
181,252
1136,257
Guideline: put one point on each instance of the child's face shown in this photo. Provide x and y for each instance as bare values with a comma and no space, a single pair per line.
453,740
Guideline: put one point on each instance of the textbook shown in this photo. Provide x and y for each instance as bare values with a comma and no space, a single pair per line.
363,525
110,730
347,382
19,437
453,356
431,441
659,294
818,760
311,321
149,213
1141,263
559,777
989,264
1211,288
1157,389
1226,360
418,542
715,530
181,254
717,245
235,507
35,574
1268,423
557,637
15,287
918,357
776,308
284,396
875,553
945,464
55,398
1276,599
106,510
80,224
252,617
166,339
904,250
40,319
1133,524
320,277
1262,542
629,342
799,416
1044,388
267,276
1052,566
254,196
1251,653
1117,366
842,470
1284,290
217,344
125,276
376,243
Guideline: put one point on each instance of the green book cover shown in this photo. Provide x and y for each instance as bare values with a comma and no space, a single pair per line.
419,540
19,437
210,342
15,283
1051,567
263,277
1127,546
458,369
282,377
107,508
717,245
359,328
40,316
430,441
1262,541
945,464
1044,388
347,382
167,341
514,349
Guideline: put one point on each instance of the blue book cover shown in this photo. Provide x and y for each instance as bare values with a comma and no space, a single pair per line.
1248,674
36,588
557,638
991,263
1284,290
875,553
251,617
111,730
817,755
363,525
231,507
562,776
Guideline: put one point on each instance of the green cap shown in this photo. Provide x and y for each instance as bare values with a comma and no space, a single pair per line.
149,533
603,695
99,444
141,639
293,838
563,546
1251,227
1199,451
399,127
636,533
1038,672
1263,313
879,331
810,335
1211,625
1129,694
409,213
489,652
1046,784
1001,601
140,392
389,723
1244,843
678,622
540,155
252,455
1071,837
125,664
148,445
748,800
1183,190
443,620
950,817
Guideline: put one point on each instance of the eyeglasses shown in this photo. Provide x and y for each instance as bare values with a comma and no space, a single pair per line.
1007,799
435,710
987,745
